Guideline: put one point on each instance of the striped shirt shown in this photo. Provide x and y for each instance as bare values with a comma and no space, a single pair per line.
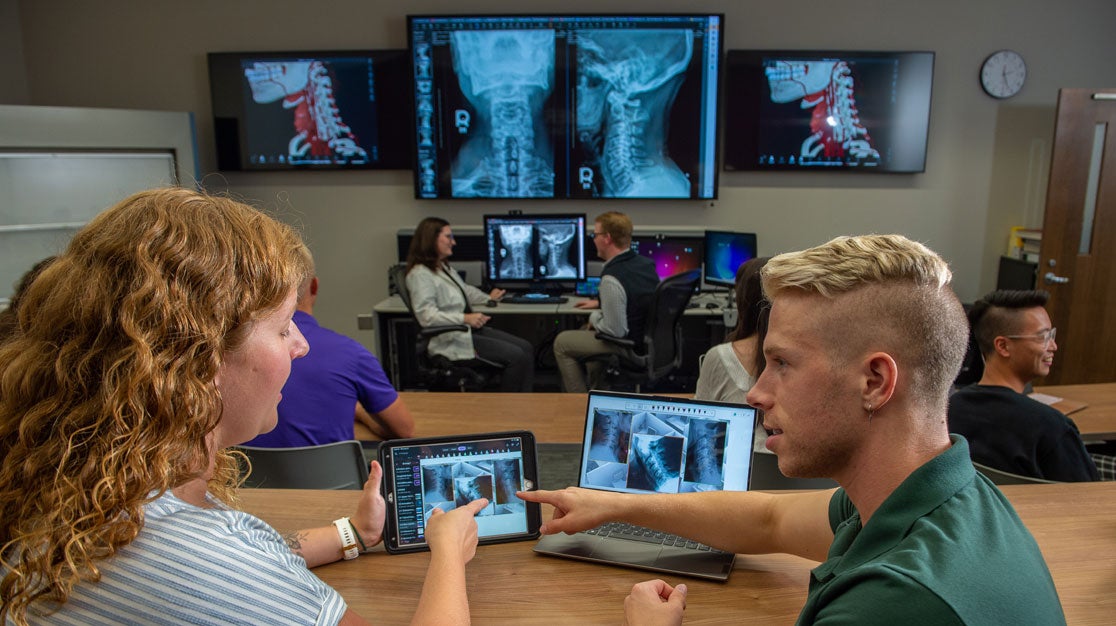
190,565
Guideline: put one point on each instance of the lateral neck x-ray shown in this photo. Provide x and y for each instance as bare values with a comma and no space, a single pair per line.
554,250
626,84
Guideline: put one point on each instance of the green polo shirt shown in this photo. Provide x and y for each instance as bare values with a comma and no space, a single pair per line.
946,547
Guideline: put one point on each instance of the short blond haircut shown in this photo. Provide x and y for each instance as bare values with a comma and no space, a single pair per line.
889,293
618,226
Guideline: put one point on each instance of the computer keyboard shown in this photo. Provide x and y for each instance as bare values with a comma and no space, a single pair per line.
631,532
535,299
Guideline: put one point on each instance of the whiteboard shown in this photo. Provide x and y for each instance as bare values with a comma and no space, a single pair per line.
45,197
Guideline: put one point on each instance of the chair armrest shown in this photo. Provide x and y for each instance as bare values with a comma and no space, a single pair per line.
619,341
434,331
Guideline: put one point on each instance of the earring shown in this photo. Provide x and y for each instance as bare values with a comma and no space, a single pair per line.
868,407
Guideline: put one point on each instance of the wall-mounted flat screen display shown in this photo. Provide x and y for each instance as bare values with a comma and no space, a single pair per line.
311,110
827,110
566,106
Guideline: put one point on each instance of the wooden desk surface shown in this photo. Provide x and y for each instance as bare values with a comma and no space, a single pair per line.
560,417
1098,419
1074,524
553,417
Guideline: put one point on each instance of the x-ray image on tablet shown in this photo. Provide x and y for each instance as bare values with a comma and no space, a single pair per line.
421,475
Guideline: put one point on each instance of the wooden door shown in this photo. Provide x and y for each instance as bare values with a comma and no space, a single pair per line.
1078,258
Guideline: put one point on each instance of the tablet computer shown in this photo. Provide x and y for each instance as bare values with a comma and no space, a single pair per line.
446,472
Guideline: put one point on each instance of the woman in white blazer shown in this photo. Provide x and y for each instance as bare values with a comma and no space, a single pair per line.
440,297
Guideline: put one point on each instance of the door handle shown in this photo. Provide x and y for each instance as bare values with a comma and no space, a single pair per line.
1053,279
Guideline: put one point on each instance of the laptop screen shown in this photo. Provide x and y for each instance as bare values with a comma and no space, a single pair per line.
655,444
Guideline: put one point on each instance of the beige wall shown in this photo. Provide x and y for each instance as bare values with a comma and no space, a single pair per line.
986,168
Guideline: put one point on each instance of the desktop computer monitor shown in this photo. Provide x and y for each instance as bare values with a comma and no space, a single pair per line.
527,250
671,254
725,252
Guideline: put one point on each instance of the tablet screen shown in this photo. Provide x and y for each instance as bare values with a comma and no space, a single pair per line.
447,472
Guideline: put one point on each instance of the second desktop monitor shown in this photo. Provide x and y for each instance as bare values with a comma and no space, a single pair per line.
535,248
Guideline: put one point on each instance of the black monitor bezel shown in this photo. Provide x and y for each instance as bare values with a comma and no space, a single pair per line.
489,272
742,119
716,119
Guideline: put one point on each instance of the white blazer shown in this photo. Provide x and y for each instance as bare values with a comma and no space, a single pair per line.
436,298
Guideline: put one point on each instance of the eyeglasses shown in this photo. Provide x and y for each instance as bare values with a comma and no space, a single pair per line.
595,235
1045,336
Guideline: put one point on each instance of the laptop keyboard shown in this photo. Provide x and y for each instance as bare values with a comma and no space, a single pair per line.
631,532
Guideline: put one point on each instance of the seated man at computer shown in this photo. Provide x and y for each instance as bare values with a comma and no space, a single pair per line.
628,282
1006,429
864,341
335,385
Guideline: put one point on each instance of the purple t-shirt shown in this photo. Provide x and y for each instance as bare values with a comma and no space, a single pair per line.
321,394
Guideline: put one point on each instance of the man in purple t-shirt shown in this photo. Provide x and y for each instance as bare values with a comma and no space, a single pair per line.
337,383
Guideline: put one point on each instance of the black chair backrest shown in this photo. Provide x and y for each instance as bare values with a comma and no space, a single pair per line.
663,334
397,276
338,465
766,475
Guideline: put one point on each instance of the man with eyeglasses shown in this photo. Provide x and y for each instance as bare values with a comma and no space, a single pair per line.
1006,429
628,282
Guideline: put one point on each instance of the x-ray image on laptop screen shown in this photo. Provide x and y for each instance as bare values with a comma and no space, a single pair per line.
640,444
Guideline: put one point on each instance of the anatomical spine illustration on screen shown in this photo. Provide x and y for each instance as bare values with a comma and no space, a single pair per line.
626,85
320,135
826,88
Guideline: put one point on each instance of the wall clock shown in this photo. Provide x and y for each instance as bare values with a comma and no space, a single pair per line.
1002,74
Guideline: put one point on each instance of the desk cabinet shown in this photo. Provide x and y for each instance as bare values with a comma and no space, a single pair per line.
395,341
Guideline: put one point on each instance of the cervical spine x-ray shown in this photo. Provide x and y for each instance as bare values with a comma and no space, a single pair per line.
626,85
666,453
447,486
577,107
506,76
527,250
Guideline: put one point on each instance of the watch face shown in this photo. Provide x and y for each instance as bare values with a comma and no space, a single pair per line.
1003,73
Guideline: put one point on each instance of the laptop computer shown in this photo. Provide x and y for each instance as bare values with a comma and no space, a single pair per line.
655,444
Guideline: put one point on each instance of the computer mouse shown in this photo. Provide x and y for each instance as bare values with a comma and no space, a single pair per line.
490,303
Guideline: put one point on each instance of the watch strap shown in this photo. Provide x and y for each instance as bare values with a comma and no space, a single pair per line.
349,548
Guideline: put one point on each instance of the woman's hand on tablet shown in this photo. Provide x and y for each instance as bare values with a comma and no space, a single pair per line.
369,518
455,531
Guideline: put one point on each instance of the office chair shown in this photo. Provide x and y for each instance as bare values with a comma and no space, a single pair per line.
338,465
1000,477
972,366
438,372
766,475
661,352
